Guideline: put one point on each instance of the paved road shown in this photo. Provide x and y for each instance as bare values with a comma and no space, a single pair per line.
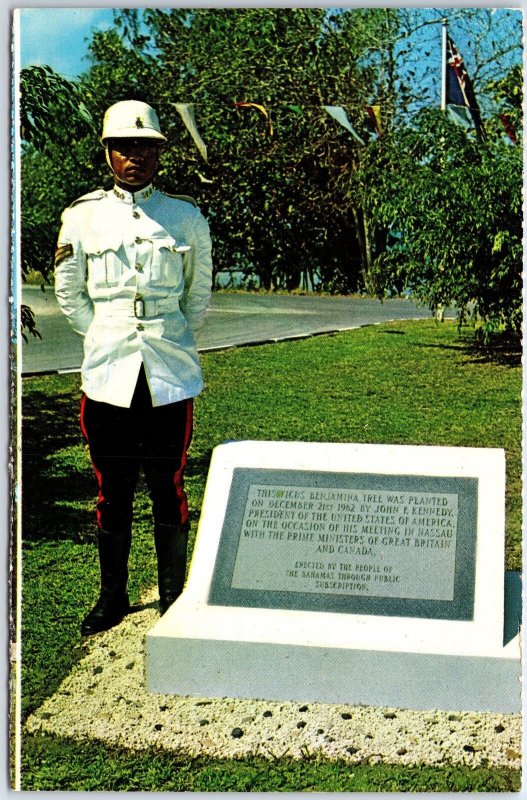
233,319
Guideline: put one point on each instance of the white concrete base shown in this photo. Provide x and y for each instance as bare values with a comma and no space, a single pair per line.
208,668
202,652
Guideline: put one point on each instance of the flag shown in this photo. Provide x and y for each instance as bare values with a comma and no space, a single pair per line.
460,98
260,108
374,113
510,130
339,113
186,112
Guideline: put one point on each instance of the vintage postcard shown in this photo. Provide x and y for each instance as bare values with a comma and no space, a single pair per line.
266,380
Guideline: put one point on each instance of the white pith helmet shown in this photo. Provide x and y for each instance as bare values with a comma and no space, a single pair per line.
131,119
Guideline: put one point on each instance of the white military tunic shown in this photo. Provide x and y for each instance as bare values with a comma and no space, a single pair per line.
133,276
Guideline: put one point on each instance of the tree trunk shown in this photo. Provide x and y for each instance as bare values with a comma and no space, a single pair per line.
362,229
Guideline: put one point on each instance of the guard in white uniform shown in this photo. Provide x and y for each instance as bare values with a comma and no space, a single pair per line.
133,275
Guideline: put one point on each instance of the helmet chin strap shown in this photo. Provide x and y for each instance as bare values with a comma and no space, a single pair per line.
108,158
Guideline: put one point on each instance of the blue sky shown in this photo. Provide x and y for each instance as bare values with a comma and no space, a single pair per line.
57,36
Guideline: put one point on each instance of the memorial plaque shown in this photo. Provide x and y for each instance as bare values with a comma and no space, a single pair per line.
358,543
380,563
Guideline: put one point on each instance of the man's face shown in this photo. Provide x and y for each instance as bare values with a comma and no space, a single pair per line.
134,161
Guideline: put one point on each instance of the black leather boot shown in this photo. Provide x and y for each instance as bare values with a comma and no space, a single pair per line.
171,549
113,603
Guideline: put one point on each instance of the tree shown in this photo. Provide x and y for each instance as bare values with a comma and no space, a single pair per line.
51,109
452,204
264,193
52,116
55,130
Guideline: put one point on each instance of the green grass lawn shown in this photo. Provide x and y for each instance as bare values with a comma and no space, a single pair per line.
403,383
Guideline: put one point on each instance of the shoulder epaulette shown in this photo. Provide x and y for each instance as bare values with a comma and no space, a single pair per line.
98,194
185,197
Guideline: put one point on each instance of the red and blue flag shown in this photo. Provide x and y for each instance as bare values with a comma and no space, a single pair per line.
461,101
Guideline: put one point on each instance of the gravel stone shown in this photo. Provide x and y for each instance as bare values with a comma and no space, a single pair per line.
118,712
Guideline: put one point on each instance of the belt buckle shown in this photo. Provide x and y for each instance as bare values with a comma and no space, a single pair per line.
139,307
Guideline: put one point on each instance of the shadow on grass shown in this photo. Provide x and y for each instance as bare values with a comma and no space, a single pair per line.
53,499
505,354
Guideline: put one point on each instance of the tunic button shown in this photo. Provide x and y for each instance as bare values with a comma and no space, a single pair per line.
136,215
139,267
138,240
140,327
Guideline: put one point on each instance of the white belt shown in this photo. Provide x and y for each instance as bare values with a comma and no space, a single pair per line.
138,308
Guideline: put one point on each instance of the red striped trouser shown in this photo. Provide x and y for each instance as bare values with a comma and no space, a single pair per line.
124,440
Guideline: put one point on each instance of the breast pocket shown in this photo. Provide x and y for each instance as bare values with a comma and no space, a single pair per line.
167,262
105,264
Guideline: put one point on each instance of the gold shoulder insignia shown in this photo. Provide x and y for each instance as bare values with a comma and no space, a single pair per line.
63,251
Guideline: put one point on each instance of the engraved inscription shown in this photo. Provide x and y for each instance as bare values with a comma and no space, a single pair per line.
369,543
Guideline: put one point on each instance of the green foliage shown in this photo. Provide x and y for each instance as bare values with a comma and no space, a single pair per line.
452,206
51,109
28,324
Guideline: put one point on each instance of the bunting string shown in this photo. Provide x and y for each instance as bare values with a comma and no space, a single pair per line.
338,113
